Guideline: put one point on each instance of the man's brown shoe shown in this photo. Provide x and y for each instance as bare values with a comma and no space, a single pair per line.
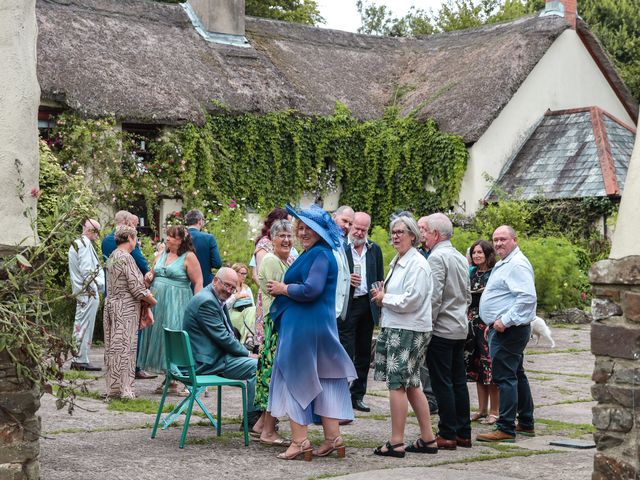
444,444
527,432
463,442
496,436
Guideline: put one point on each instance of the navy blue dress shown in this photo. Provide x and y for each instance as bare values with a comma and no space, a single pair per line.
311,371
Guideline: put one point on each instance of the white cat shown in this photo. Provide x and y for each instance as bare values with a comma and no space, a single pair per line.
539,329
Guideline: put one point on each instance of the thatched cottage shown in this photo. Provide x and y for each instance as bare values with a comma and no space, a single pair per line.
498,87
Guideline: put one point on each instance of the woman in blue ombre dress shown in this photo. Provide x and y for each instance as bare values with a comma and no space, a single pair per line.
311,370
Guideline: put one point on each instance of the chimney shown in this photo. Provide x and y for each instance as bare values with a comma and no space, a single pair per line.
562,8
220,16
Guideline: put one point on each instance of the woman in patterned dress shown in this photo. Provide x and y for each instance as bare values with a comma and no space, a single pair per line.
171,277
405,299
126,292
272,267
483,259
264,245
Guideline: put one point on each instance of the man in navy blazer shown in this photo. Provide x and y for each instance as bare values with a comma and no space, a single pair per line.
205,245
216,351
356,330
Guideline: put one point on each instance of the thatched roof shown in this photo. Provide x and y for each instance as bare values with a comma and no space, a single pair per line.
143,61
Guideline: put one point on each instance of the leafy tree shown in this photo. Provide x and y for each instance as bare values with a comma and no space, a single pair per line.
298,11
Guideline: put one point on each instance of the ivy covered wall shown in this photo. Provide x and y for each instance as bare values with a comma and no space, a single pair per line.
382,165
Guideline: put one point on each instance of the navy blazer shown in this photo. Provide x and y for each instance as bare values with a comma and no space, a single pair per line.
210,332
375,273
207,252
109,245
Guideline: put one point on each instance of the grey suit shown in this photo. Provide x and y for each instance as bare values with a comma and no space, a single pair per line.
215,349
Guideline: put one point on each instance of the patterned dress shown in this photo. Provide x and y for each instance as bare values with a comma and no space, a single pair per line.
271,268
172,289
479,362
125,289
263,244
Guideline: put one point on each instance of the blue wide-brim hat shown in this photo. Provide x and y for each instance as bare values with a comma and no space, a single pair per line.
320,222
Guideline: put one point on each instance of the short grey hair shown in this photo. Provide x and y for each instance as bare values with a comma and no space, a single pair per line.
122,217
278,226
192,217
343,208
412,227
123,232
440,223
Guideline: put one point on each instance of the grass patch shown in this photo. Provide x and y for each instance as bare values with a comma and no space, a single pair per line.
542,378
78,375
224,439
564,402
502,454
100,429
572,430
354,441
139,405
562,374
375,416
568,326
327,475
565,350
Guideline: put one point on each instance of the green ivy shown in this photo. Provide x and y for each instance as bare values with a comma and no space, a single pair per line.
381,165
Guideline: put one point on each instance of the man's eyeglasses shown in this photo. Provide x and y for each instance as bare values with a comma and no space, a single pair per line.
229,287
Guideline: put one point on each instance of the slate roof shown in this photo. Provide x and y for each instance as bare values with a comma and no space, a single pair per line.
143,62
570,154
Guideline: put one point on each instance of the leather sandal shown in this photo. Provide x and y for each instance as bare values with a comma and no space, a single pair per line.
391,450
329,446
277,442
490,420
303,449
478,416
420,446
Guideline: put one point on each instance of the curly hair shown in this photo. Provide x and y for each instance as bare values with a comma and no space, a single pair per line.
123,232
489,252
181,232
275,214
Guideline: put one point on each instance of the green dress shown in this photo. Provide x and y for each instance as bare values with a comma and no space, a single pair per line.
271,268
172,289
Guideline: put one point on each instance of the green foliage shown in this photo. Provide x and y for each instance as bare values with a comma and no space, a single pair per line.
380,235
514,212
463,239
298,11
34,336
272,159
560,283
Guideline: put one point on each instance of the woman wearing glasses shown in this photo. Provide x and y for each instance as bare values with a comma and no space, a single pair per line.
405,299
170,278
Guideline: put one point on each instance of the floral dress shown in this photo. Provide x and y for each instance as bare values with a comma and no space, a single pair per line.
478,362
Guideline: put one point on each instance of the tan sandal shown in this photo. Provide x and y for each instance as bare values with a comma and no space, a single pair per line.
490,420
329,446
277,442
303,448
478,416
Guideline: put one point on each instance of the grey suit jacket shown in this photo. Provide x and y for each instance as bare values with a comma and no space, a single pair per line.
210,332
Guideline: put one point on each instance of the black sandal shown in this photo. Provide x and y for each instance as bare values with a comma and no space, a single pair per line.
391,450
420,446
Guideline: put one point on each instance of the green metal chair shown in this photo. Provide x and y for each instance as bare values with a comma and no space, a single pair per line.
180,359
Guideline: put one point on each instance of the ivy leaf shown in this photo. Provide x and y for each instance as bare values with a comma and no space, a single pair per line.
23,261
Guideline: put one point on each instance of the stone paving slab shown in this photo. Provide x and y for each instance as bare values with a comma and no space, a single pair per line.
106,444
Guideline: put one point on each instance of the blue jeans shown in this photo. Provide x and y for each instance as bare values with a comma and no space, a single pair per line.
506,350
445,359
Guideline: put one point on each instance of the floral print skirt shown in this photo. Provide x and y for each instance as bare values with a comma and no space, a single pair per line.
399,355
265,364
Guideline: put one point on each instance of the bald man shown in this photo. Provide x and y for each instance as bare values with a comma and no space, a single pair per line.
87,281
215,348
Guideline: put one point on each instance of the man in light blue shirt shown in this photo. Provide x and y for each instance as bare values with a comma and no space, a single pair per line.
508,305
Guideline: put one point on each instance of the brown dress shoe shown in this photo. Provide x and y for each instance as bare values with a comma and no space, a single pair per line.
444,444
496,436
463,442
527,432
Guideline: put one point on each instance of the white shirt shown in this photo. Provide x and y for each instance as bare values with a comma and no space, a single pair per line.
362,261
83,264
342,287
407,298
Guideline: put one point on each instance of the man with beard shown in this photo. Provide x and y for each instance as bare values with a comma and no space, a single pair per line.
364,258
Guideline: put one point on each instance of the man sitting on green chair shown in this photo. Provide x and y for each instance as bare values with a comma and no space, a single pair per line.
215,348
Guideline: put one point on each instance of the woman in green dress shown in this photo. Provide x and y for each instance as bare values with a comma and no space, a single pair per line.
272,267
170,278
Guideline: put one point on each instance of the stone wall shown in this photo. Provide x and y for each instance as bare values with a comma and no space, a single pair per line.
615,341
19,425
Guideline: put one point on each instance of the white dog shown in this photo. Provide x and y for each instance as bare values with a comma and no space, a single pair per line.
539,329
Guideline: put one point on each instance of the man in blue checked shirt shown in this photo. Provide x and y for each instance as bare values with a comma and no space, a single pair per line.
508,305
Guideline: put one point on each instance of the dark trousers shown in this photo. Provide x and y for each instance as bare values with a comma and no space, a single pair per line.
356,332
506,350
427,389
445,359
140,333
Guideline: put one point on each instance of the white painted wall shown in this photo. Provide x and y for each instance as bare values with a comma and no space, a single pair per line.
19,98
625,237
167,206
565,77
